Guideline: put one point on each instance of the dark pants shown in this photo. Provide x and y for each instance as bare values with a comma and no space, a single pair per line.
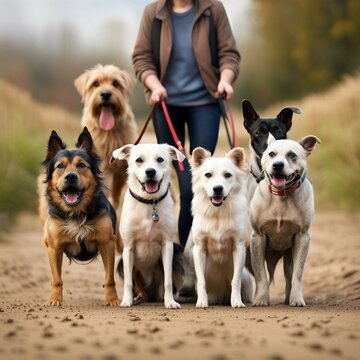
203,128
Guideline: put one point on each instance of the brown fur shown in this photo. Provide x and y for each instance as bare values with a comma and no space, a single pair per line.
124,130
69,227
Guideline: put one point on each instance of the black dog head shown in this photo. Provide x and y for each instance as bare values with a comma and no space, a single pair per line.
260,128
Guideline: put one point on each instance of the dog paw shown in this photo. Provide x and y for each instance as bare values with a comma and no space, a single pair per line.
299,301
172,304
261,301
237,304
202,303
112,302
127,301
54,302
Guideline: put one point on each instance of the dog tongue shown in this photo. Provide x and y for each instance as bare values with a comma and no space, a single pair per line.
151,187
217,200
71,197
107,120
278,180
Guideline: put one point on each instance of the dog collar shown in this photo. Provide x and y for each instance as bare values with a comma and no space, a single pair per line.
289,189
259,177
153,202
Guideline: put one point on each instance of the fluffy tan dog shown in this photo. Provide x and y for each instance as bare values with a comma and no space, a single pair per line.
105,91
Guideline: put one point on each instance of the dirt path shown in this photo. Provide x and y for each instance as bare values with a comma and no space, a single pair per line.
328,328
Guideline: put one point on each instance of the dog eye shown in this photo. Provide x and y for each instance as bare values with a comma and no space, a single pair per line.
81,165
258,133
159,159
116,84
139,160
292,156
96,84
208,175
272,154
227,175
60,166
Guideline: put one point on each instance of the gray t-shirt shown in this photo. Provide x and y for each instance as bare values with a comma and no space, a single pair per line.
183,81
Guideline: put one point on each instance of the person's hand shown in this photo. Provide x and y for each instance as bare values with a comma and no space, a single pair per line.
157,95
225,87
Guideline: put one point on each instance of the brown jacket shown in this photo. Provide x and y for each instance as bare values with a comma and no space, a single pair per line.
228,54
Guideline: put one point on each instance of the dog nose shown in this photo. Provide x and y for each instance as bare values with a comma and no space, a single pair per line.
218,190
278,165
106,95
150,172
71,178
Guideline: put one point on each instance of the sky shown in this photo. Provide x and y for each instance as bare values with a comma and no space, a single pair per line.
39,20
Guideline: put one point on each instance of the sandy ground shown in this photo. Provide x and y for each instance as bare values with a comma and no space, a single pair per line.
83,328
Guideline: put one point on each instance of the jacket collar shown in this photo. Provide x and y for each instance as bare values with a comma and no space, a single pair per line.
162,10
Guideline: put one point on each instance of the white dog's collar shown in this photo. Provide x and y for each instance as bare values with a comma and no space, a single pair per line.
153,202
287,190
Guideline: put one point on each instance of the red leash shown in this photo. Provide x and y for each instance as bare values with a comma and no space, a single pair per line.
232,123
171,128
173,133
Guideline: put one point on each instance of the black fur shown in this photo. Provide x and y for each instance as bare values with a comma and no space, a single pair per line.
99,204
260,128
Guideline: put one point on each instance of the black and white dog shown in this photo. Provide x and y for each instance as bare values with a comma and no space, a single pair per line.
259,129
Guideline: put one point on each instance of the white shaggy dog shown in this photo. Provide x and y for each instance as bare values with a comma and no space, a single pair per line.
147,223
217,238
281,212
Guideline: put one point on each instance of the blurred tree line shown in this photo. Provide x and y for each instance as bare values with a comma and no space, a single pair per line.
299,47
296,47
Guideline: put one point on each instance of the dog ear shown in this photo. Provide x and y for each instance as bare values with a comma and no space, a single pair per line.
308,143
127,82
121,153
80,84
176,154
250,115
270,139
199,154
55,144
85,141
237,155
286,114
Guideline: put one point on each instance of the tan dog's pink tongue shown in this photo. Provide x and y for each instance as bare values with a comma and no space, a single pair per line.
107,120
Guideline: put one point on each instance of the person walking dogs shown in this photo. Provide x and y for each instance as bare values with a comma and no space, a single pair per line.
185,53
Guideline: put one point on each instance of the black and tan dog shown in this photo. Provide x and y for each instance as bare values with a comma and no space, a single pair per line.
77,217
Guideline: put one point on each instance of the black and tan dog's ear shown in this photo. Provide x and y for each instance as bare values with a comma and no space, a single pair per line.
199,154
308,143
250,115
85,141
286,114
237,155
80,84
55,144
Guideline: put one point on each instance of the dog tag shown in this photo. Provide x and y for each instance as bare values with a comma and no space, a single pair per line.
155,215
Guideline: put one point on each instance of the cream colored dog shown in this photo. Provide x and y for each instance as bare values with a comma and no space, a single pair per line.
105,92
148,223
217,238
281,212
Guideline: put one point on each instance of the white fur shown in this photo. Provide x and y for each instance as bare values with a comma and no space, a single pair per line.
145,241
217,238
282,222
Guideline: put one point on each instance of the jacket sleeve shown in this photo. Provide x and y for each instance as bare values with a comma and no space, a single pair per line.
142,57
228,54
